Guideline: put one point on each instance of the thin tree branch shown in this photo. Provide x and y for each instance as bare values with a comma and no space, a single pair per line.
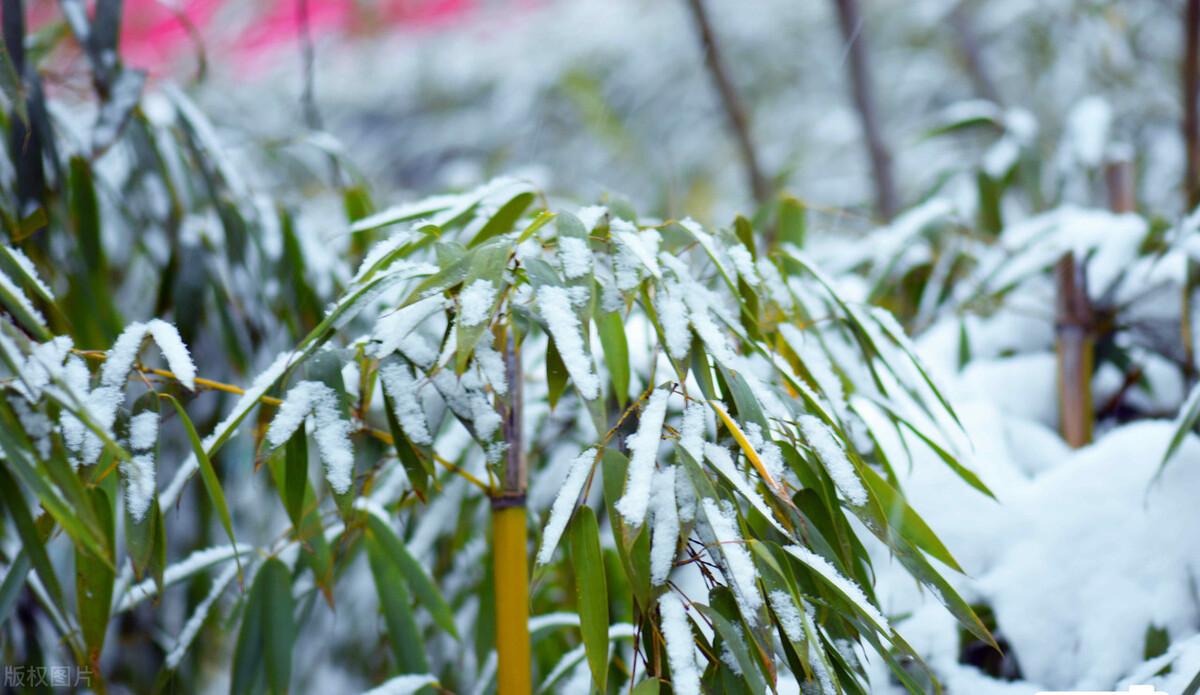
732,104
864,100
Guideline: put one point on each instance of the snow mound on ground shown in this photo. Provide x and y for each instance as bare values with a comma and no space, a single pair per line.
1098,553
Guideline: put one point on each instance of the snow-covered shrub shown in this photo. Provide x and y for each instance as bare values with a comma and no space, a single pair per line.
721,422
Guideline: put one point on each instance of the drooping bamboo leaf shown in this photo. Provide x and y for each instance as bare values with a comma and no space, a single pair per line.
405,637
208,474
94,582
611,330
591,593
32,542
414,575
504,219
556,373
277,619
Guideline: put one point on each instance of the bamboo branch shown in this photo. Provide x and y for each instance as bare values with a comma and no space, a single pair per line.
864,100
201,382
735,113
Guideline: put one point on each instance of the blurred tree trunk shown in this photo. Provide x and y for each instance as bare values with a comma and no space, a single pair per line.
1190,85
961,21
864,100
1191,118
730,102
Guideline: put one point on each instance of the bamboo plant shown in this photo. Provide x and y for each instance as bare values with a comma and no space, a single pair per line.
713,424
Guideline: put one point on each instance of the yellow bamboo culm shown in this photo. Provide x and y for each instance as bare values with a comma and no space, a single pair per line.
512,601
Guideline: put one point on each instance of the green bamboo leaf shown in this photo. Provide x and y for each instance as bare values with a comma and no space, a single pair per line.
543,218
280,626
615,467
591,592
32,541
791,221
22,311
487,265
611,328
14,582
414,575
208,474
556,373
74,514
906,520
733,638
146,544
949,459
650,686
407,645
94,582
504,219
248,671
295,476
1184,423
415,465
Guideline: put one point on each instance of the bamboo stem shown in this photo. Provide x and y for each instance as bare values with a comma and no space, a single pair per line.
1075,353
510,548
512,601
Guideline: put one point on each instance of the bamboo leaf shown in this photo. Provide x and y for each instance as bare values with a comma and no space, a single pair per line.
280,626
504,219
906,520
407,645
94,582
208,474
556,373
414,575
611,329
591,592
32,542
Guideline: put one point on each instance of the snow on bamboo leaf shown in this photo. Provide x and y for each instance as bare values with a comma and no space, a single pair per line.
665,540
788,615
404,392
681,652
403,685
852,591
330,429
15,294
564,504
693,429
575,257
723,522
124,352
721,460
139,471
393,331
199,615
822,441
673,316
555,305
476,301
643,450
